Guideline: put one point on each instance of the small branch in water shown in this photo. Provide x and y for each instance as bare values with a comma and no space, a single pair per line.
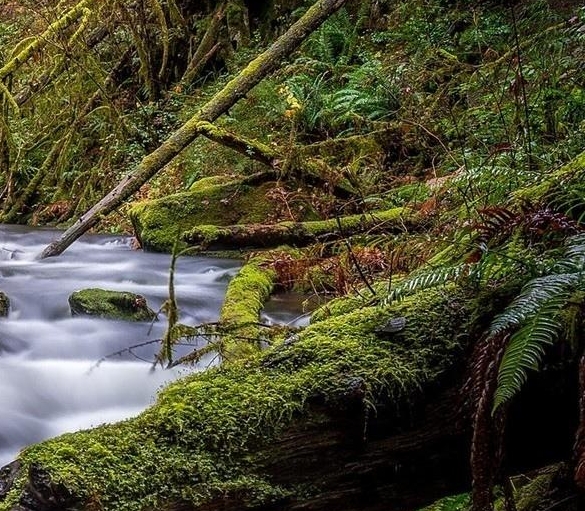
121,352
211,332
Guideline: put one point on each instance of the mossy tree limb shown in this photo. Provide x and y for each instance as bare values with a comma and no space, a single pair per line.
253,149
42,40
235,90
28,91
312,171
207,46
239,318
14,210
299,233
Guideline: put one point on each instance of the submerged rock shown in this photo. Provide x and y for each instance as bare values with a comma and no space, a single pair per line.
110,304
4,305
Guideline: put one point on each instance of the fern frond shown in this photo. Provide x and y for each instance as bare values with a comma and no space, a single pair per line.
536,312
526,350
425,280
532,298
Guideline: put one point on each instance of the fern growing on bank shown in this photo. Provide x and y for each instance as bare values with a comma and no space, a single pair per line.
536,313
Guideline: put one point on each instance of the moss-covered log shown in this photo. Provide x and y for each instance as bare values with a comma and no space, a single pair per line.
245,298
293,428
235,90
311,171
299,233
213,200
336,417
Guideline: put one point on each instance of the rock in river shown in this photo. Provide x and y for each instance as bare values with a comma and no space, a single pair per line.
110,304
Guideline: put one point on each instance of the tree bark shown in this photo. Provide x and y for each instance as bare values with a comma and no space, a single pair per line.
298,233
235,90
395,459
207,47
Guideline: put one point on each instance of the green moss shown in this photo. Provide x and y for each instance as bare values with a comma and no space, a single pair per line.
337,307
541,490
110,304
246,295
157,223
207,183
554,184
205,436
453,503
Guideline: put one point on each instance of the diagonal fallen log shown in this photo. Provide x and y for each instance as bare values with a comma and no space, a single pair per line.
211,237
235,90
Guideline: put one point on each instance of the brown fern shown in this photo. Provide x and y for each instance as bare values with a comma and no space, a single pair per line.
488,428
580,436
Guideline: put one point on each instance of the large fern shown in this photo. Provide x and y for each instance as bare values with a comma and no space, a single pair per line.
536,317
491,266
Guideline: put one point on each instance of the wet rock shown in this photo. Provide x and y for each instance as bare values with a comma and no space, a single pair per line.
40,492
4,305
111,305
8,474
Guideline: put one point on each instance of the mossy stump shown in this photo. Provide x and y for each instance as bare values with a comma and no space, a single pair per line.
110,305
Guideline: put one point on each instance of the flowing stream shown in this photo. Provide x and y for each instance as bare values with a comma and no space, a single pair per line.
49,382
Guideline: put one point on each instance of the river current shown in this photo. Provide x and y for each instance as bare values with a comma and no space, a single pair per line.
49,380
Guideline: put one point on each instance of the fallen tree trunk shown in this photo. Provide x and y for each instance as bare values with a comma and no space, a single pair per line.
336,417
210,237
235,90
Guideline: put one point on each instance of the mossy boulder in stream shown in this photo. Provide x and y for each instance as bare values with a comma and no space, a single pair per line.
110,304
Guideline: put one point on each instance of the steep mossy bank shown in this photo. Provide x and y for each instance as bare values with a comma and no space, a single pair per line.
211,437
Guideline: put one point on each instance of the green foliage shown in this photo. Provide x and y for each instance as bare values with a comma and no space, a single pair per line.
425,279
454,503
535,317
335,41
334,104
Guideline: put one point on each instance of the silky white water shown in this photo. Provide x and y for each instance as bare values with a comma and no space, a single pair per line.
49,382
